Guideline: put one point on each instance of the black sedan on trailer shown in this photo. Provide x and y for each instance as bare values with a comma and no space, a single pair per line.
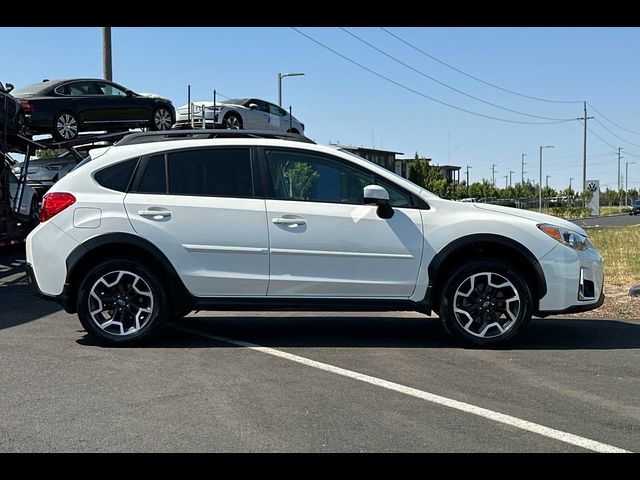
65,108
11,114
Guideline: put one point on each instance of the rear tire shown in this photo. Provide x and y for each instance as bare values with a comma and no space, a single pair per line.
486,303
161,120
65,126
122,302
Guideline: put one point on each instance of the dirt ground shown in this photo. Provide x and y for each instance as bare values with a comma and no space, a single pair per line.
617,304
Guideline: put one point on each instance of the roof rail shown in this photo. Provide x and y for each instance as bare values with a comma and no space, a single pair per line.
149,137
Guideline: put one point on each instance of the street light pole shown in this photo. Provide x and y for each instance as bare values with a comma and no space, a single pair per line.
106,54
280,77
540,182
626,180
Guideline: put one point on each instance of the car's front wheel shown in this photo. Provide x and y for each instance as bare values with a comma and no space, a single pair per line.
65,126
122,302
232,122
486,303
162,119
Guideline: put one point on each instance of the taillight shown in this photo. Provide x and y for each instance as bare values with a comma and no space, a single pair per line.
27,106
54,203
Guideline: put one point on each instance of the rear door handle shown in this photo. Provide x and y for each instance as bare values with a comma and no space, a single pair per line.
155,214
291,222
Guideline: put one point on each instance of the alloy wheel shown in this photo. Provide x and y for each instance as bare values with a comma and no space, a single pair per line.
67,126
232,123
162,119
120,303
486,305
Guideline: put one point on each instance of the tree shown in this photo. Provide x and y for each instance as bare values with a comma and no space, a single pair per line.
302,177
49,153
429,177
609,196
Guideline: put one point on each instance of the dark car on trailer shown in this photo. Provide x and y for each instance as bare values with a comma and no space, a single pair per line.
12,118
64,108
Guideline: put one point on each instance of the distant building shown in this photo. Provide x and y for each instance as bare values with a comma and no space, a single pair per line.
384,158
450,172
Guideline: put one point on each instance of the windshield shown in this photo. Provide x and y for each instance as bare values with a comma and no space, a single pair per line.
430,194
28,90
235,101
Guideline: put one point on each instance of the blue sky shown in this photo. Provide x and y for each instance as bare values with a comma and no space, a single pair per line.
340,102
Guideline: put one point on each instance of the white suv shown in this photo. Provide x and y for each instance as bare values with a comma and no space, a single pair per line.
161,224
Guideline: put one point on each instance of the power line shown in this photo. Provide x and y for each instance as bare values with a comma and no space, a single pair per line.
612,122
420,93
617,136
443,83
598,136
474,77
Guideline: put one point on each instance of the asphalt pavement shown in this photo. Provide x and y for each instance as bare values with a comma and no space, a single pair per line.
609,221
311,382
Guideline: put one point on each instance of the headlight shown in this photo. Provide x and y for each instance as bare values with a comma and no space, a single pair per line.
566,237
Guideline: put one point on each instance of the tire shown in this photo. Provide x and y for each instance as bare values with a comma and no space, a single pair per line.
232,121
20,126
65,126
132,289
34,214
465,291
180,314
161,119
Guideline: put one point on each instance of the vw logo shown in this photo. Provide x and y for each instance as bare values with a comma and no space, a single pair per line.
593,186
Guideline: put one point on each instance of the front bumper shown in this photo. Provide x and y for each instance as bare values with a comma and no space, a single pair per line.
575,281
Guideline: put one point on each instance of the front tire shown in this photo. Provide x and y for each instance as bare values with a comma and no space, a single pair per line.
161,120
122,302
65,126
486,303
232,121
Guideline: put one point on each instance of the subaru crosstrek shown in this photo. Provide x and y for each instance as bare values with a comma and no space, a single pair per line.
158,225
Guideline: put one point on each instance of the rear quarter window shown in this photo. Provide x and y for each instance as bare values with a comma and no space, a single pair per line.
117,177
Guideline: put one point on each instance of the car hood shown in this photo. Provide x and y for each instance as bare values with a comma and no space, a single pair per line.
529,215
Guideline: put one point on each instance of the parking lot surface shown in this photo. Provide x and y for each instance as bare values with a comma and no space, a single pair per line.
373,382
609,221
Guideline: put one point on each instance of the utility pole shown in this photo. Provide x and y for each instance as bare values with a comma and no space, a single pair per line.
280,77
506,177
619,182
548,182
626,179
570,179
540,182
468,167
106,53
510,172
493,174
584,151
523,164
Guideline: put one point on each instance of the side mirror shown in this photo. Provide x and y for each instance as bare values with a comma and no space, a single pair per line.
8,87
377,195
129,93
253,106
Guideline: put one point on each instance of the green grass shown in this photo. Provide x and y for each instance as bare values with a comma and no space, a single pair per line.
619,247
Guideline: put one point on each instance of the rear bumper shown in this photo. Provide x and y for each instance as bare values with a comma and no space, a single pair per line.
62,299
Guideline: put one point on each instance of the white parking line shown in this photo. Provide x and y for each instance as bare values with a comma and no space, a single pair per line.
565,437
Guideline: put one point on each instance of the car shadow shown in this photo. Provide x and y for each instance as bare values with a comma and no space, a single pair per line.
18,303
362,331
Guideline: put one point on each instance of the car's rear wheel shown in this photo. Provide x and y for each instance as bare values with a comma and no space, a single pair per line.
122,302
65,126
34,213
232,121
486,303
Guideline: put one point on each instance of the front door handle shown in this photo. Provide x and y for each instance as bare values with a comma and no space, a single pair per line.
155,214
290,222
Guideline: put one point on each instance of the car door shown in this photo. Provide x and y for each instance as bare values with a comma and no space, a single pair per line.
325,242
88,102
198,207
124,109
257,118
276,119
